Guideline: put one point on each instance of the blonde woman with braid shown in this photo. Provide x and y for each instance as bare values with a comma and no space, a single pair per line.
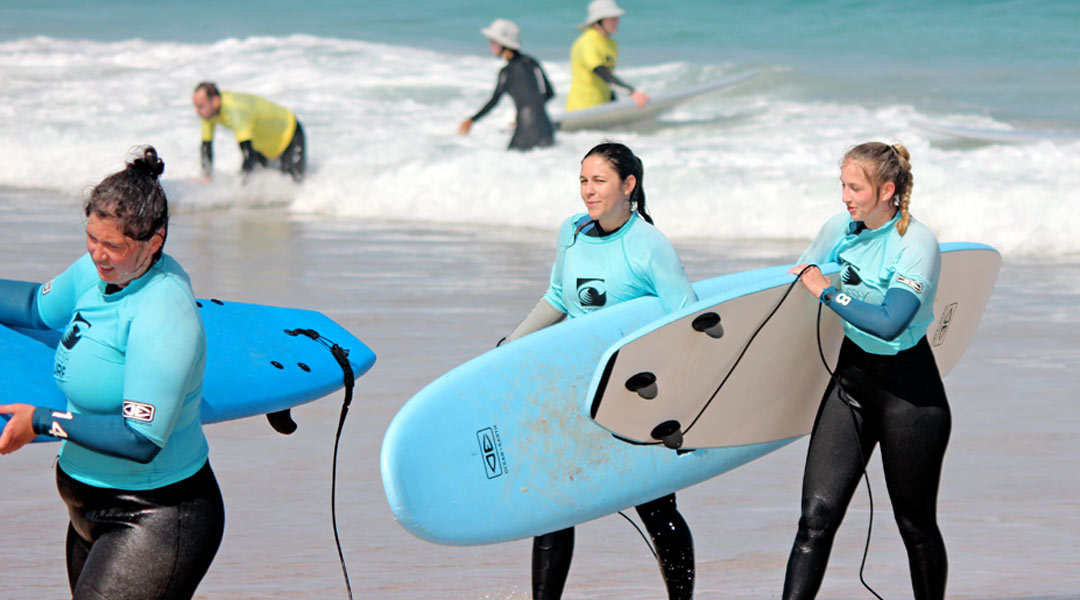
887,390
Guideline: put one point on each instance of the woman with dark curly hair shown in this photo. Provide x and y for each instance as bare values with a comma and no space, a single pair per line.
146,514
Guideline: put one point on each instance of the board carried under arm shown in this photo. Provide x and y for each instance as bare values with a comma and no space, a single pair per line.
728,371
259,360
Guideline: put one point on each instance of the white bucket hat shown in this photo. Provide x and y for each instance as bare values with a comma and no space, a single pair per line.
505,33
601,9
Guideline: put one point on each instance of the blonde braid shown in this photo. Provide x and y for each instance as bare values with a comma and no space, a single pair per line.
903,176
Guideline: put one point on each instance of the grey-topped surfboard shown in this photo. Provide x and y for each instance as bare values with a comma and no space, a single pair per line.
625,111
743,367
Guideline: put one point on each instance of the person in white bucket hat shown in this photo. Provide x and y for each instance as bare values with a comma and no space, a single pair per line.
593,57
527,84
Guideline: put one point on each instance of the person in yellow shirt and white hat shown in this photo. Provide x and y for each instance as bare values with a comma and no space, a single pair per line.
593,57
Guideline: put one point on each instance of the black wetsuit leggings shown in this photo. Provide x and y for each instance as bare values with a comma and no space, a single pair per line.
294,158
132,545
901,405
671,537
292,162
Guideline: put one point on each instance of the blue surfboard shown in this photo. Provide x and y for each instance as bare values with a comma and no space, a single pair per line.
502,448
259,360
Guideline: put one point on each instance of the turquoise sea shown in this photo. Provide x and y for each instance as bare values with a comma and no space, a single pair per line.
380,88
431,246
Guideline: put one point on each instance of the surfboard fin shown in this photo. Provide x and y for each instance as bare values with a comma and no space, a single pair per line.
282,421
669,432
709,324
644,384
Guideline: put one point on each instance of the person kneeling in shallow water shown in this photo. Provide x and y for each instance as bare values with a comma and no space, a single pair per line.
265,131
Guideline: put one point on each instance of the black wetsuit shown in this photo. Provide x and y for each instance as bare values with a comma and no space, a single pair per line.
899,403
670,535
138,544
528,85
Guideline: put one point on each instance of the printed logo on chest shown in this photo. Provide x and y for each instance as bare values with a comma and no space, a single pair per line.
591,292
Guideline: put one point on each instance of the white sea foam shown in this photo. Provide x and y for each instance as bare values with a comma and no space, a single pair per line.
758,161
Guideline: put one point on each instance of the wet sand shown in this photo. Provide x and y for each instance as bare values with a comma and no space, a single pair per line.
427,298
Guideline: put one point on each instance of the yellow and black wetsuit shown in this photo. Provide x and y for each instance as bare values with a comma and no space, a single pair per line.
592,66
264,130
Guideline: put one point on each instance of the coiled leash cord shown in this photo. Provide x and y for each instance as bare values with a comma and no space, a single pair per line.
674,439
341,355
852,406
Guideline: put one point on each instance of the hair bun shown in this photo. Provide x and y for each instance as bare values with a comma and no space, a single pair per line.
150,164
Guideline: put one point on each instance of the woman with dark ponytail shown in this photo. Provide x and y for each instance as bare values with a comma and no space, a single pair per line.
611,254
887,390
146,514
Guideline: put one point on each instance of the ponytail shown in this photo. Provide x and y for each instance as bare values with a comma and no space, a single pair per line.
133,197
626,163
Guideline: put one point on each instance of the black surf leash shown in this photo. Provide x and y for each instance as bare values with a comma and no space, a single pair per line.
671,436
669,432
341,355
853,405
673,439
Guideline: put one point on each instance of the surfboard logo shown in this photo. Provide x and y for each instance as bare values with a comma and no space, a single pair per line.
74,331
943,325
491,452
591,293
45,289
139,411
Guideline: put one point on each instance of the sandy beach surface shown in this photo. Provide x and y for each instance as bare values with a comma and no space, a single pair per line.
428,297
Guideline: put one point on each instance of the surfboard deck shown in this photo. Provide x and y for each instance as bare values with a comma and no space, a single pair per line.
774,391
624,111
1005,136
501,447
253,366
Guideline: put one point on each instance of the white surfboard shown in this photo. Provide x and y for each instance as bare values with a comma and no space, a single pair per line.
1005,136
715,375
625,111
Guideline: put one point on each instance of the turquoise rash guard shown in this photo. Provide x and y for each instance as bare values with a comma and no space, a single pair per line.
887,281
593,272
131,365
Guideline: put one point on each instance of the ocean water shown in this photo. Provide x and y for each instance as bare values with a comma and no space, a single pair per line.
400,215
381,88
